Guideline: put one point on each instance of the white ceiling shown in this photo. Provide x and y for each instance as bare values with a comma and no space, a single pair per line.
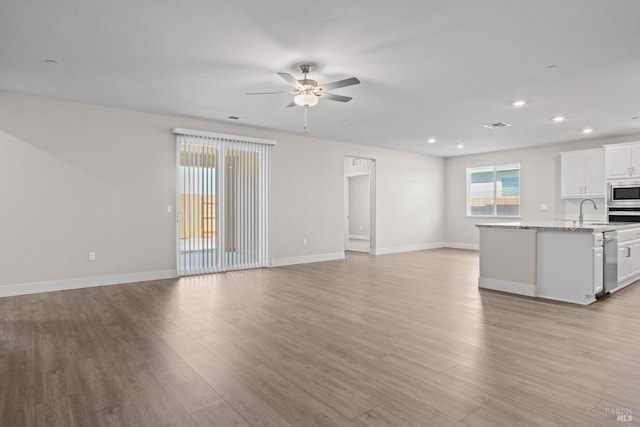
429,68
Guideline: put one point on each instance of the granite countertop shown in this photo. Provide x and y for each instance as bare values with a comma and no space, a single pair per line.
562,225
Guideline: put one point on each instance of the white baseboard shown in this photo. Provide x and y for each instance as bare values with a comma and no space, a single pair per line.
84,282
411,248
586,301
363,251
359,237
280,262
469,246
505,286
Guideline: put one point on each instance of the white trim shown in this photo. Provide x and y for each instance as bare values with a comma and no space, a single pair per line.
84,282
625,283
345,217
364,251
222,136
506,286
590,299
179,213
411,248
280,262
495,216
354,174
469,246
359,237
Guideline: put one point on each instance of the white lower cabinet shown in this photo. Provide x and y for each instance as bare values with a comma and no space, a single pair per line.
628,254
624,261
628,259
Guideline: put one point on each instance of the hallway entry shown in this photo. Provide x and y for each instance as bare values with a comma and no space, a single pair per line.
359,194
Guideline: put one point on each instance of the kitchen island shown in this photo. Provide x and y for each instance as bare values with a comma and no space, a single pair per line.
560,260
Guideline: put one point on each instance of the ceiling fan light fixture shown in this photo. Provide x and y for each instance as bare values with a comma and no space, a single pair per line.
306,99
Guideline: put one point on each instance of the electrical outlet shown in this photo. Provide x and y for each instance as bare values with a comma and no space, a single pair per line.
169,208
543,207
304,241
92,256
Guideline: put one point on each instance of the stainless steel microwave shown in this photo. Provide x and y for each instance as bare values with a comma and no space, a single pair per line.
625,193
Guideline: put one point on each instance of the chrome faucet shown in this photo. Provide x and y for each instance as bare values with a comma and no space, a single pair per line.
581,217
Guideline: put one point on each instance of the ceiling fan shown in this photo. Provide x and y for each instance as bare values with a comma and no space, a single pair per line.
307,92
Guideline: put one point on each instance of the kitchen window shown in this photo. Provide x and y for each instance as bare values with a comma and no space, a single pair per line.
494,190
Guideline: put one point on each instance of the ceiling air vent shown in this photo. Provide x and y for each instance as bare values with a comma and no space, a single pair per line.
497,125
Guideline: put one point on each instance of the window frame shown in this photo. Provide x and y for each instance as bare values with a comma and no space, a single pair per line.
494,168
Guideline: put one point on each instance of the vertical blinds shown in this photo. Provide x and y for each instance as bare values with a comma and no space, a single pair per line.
224,197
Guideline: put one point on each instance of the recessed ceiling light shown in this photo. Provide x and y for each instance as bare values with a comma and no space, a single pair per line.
559,119
431,140
497,125
51,61
551,66
460,145
635,117
519,103
234,117
587,130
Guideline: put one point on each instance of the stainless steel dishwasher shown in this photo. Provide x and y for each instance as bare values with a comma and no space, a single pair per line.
610,261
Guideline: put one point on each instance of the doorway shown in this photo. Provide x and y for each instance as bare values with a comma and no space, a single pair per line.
359,194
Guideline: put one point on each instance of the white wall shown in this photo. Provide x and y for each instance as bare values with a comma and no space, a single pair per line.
76,178
539,181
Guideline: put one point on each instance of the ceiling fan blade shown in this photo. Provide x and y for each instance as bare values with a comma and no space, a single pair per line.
292,80
335,97
292,104
267,93
340,83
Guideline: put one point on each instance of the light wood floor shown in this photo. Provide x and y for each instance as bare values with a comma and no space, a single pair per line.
393,340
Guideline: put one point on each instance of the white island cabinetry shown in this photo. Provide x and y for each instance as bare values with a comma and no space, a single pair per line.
570,266
558,260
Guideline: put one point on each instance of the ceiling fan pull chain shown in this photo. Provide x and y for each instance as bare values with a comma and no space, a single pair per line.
306,129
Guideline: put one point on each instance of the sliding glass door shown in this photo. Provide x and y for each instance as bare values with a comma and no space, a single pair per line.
223,194
197,183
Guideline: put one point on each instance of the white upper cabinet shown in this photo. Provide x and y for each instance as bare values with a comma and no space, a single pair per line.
582,173
594,182
572,174
622,161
